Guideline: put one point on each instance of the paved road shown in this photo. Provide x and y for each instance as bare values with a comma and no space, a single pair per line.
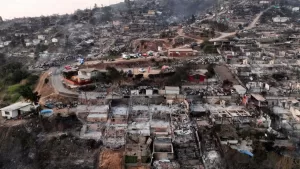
56,82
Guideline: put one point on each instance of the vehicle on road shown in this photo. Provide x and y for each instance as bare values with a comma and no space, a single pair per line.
142,70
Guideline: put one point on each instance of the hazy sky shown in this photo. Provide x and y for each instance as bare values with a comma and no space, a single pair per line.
19,8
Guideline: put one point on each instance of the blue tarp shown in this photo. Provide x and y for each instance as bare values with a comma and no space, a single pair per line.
80,61
246,152
46,111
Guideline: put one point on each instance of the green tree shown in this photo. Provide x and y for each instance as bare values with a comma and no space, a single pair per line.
99,77
19,75
208,47
210,71
180,75
113,74
26,92
32,79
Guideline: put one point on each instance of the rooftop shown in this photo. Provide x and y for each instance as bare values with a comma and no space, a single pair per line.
172,88
92,109
160,108
239,88
197,108
140,107
92,95
88,70
258,97
159,124
181,50
15,106
119,110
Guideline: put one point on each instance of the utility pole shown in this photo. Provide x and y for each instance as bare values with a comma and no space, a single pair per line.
206,88
86,100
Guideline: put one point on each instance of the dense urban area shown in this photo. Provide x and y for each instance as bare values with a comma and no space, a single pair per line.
153,84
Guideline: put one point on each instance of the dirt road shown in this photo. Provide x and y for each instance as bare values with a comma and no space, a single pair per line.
182,34
223,36
256,19
41,82
251,25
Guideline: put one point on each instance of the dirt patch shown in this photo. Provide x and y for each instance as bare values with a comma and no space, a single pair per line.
144,45
41,82
46,91
110,159
141,167
56,98
9,123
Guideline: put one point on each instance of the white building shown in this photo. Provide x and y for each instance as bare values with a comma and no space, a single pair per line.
28,44
16,109
36,41
172,90
6,43
41,37
87,73
27,40
264,2
279,19
240,89
295,9
89,41
54,40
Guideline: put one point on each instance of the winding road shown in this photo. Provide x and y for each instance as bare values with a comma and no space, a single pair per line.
251,25
223,36
182,34
56,78
56,82
256,19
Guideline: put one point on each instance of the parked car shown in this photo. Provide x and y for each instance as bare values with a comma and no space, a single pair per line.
142,70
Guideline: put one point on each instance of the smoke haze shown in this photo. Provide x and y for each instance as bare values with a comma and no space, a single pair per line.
10,9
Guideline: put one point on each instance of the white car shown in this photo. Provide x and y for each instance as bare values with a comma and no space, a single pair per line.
142,70
125,56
